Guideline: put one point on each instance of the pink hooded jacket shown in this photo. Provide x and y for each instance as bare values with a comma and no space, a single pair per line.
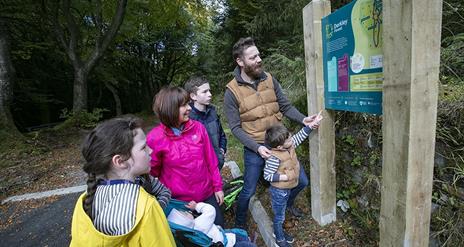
186,164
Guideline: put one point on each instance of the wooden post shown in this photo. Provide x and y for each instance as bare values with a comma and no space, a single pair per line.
411,31
322,144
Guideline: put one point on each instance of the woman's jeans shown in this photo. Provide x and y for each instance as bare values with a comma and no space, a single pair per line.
241,241
254,165
219,220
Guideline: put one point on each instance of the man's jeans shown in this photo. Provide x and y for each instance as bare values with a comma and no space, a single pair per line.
254,165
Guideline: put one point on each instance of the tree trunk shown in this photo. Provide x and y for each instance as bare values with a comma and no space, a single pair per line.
117,100
6,84
80,90
69,39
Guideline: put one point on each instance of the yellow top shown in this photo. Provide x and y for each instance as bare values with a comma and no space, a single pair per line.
151,227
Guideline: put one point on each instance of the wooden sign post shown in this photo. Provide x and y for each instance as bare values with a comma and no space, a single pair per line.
322,144
411,46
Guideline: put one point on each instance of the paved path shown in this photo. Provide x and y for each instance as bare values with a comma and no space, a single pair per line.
50,224
46,225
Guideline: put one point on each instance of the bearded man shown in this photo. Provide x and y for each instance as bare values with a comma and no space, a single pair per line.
253,102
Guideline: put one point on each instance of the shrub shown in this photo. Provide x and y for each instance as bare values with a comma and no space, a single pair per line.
80,119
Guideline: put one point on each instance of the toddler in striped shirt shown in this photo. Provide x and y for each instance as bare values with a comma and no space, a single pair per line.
282,169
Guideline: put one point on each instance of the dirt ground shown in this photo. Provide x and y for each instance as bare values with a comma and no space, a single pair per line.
61,167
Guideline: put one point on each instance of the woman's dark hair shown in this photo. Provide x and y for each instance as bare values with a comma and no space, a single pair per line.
109,138
241,45
276,135
167,102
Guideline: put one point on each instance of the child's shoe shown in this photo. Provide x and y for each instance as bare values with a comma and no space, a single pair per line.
283,243
289,239
295,211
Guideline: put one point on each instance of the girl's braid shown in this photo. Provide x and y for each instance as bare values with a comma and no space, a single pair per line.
91,189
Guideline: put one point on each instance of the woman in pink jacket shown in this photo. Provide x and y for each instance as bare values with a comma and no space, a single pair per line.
183,157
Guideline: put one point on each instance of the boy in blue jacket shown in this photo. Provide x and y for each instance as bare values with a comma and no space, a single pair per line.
202,111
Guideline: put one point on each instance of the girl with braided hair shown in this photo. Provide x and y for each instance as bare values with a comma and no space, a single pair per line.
123,204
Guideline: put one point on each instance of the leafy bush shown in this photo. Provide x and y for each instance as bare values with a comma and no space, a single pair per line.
80,119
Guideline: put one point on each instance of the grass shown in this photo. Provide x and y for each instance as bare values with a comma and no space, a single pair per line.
234,146
234,149
14,148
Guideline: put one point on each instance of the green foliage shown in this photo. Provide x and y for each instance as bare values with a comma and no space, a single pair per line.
453,18
452,63
452,58
447,225
19,147
349,139
375,158
347,193
290,71
80,119
356,160
358,169
8,141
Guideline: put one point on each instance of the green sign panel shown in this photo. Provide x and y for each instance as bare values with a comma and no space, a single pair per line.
353,58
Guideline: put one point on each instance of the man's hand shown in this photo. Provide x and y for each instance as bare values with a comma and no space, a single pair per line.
264,152
219,197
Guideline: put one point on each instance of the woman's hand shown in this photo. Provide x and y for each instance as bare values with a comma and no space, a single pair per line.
219,197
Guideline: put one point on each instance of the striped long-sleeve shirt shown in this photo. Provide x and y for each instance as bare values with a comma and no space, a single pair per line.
114,205
272,163
161,192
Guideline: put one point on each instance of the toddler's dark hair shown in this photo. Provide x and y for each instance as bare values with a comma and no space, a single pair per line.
193,83
109,138
276,135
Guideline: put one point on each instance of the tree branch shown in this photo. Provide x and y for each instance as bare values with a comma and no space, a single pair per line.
98,20
73,33
55,23
102,44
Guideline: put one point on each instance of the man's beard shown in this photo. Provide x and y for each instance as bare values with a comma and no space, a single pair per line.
253,71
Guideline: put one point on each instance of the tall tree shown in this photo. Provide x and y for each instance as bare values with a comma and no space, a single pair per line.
158,41
6,82
67,23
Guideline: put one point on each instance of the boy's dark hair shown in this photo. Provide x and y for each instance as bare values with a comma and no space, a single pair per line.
241,45
276,135
193,83
167,102
109,138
